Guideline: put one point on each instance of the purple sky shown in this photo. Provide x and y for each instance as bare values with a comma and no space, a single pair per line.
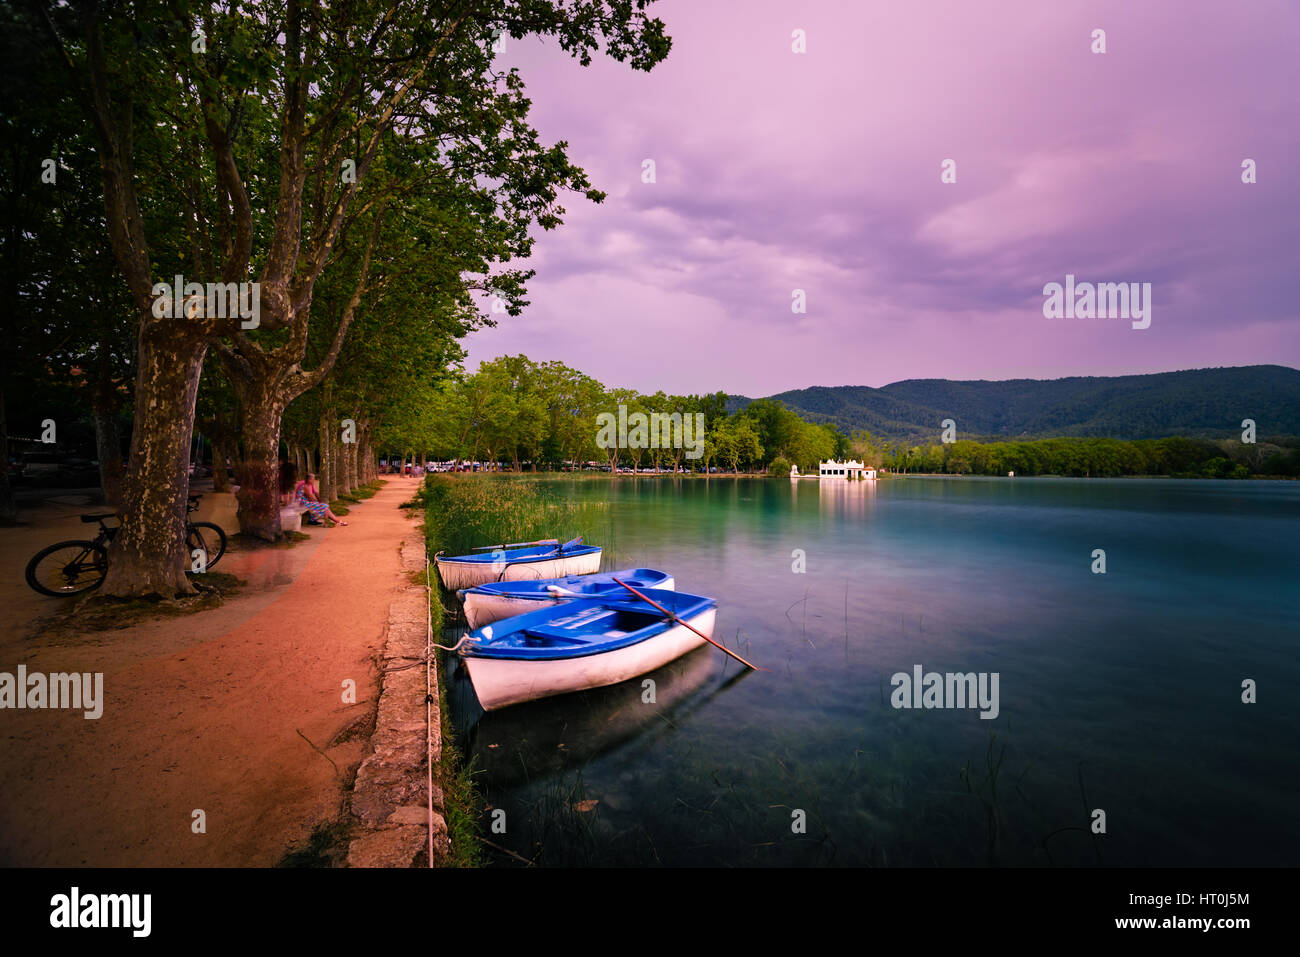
821,171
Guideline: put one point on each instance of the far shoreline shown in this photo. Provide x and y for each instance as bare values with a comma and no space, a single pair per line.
596,473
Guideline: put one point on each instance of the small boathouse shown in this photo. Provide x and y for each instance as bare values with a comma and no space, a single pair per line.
850,469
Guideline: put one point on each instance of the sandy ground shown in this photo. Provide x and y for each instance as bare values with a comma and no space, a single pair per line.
204,712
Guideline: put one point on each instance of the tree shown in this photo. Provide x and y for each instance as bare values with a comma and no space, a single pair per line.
66,322
616,401
288,98
737,441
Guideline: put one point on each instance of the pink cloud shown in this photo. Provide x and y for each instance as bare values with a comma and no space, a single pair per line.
821,171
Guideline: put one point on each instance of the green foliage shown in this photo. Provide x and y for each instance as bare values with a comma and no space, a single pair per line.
545,416
374,165
780,431
1198,402
467,511
1101,458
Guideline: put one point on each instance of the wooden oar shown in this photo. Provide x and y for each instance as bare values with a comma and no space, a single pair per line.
488,548
672,617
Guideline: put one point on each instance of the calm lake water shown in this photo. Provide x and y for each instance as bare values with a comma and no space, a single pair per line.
1119,691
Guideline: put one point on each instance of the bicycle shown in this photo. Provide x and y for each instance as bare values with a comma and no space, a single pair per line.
73,568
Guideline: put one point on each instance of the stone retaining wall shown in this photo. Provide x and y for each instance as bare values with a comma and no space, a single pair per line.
390,798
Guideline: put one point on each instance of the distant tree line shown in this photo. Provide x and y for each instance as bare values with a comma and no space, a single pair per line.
524,415
1096,458
528,415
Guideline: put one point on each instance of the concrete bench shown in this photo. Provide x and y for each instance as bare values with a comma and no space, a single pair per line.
290,519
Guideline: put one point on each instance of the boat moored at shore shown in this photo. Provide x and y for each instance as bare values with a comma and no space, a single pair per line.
494,601
586,643
518,564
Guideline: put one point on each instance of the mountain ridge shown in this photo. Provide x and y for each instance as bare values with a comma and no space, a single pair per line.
1208,402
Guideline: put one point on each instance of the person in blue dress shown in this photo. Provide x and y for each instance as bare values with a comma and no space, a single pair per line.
307,498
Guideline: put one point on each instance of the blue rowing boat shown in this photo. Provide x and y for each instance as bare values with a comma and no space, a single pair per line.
518,564
496,600
585,643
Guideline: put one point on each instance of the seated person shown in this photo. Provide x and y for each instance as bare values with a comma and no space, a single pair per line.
306,497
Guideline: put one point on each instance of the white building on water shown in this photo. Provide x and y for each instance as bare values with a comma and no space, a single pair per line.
850,469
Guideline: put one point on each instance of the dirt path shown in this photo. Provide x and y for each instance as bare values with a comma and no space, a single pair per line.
205,712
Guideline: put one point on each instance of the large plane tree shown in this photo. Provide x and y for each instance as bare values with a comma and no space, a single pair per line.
274,132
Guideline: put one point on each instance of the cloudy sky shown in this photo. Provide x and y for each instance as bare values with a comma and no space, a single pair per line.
820,171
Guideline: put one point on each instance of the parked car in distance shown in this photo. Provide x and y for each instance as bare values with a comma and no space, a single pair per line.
54,469
37,466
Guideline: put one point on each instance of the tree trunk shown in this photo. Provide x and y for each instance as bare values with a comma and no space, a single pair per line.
365,456
108,448
349,451
339,463
220,452
8,508
258,469
148,556
325,485
105,406
324,479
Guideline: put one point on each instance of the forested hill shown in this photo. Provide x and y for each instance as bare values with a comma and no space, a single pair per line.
1195,402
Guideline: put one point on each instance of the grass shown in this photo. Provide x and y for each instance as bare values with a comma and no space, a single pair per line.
462,804
460,513
359,494
466,511
461,801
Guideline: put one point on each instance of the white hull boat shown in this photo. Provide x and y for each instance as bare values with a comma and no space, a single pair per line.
497,600
518,564
586,643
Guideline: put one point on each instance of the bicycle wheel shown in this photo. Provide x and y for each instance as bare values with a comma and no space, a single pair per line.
207,536
68,568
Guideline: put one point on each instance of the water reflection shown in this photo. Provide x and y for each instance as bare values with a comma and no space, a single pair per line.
544,737
840,498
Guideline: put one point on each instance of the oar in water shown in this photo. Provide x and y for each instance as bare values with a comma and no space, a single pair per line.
672,617
488,548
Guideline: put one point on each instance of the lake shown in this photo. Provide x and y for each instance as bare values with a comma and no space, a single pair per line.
1119,693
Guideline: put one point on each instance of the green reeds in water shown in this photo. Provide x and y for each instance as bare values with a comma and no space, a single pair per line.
464,512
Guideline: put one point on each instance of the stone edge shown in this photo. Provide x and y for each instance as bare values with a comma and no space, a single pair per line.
390,798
